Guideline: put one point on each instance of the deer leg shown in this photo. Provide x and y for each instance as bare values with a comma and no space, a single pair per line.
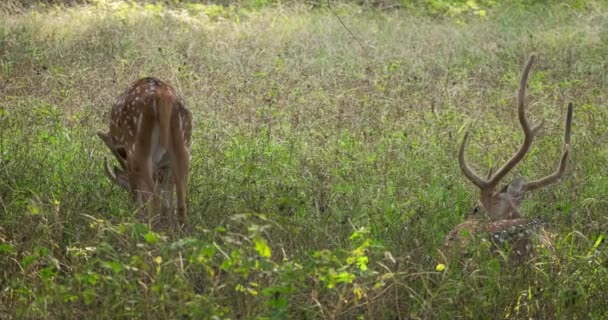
170,191
157,199
141,179
165,180
179,167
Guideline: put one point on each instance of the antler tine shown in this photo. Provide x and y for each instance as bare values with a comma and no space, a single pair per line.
528,132
468,172
568,130
537,184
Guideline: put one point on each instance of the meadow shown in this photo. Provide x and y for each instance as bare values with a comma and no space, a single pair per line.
324,170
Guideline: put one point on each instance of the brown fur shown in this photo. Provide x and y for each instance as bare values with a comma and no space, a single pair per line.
498,212
148,104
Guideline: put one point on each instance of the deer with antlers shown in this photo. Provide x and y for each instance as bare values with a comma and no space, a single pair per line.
150,137
497,213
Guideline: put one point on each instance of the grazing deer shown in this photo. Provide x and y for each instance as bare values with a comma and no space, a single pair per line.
497,212
150,136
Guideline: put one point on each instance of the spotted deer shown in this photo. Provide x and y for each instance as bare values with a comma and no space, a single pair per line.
497,213
150,137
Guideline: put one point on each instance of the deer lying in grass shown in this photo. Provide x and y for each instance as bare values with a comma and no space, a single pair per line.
150,136
497,213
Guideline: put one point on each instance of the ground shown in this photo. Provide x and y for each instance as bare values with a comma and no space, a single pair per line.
324,169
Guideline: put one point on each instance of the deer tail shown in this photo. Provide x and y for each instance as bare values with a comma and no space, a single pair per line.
165,108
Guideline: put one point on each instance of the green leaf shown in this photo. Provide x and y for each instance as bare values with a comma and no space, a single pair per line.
262,247
345,277
116,267
151,237
32,209
597,243
6,248
47,273
205,254
26,261
362,263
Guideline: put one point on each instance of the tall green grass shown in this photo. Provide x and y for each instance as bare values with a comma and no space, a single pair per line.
324,174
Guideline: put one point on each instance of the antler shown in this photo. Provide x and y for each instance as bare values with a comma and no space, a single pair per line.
529,133
468,172
537,184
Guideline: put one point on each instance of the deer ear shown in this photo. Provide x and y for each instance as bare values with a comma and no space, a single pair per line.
516,187
105,138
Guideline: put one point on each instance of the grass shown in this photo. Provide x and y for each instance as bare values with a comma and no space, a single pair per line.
324,175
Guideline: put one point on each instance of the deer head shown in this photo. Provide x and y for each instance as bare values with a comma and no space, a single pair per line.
119,175
150,136
505,203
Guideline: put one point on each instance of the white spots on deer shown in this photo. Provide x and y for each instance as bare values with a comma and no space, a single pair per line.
139,120
129,126
498,208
